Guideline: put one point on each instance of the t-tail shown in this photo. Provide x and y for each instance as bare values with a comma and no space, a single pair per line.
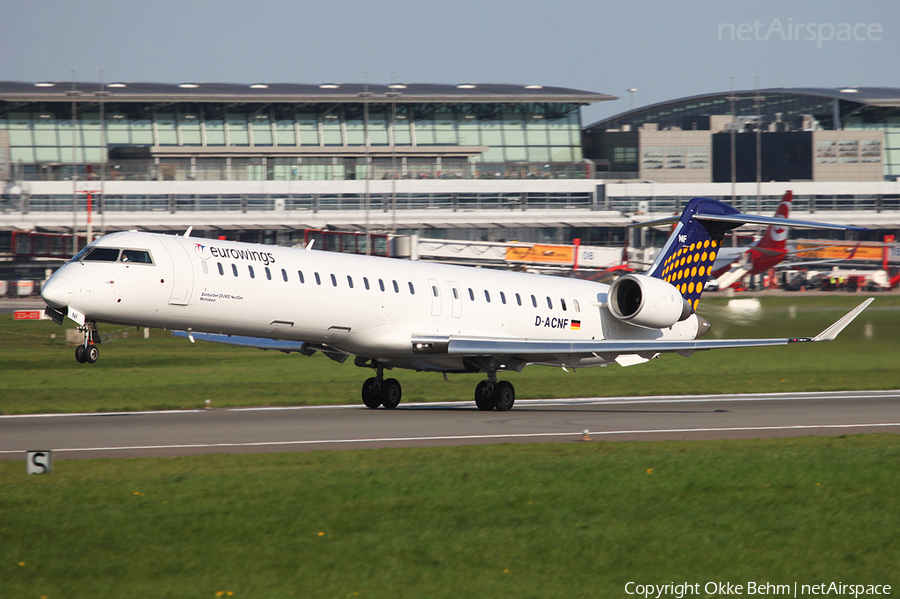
669,291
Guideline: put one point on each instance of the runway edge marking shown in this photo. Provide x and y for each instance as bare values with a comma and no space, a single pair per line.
470,437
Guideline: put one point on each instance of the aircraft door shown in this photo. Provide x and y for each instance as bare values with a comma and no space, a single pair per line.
183,273
455,300
435,293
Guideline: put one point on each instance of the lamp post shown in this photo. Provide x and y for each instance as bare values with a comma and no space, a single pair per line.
365,96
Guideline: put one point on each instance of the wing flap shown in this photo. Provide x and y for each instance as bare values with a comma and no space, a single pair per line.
282,345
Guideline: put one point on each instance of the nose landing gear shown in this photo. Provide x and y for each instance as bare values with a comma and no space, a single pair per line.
88,351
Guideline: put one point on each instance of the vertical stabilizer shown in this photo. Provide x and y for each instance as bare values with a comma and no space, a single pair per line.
689,253
776,235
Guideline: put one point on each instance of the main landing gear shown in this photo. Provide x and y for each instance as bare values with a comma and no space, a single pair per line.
88,352
378,391
492,394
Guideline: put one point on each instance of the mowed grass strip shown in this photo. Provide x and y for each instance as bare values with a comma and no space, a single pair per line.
560,520
40,375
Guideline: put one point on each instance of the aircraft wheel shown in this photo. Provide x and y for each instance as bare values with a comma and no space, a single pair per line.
369,396
91,354
504,396
79,354
484,403
391,393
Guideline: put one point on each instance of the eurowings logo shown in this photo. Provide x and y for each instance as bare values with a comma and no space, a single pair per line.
202,251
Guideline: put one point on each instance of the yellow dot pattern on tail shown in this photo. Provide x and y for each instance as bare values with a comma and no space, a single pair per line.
689,267
687,259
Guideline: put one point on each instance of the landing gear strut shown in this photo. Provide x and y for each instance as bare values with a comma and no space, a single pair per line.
88,352
492,394
378,391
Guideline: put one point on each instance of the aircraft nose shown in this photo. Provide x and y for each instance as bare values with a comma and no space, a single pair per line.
57,292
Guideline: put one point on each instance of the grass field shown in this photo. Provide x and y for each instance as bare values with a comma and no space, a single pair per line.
562,520
559,520
40,375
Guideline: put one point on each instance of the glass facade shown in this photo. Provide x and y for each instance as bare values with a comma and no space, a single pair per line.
772,107
44,135
880,119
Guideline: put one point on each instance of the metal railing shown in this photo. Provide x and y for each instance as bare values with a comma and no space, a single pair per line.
302,202
184,171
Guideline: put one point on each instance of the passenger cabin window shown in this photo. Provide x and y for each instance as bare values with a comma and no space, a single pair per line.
366,283
471,294
350,281
221,270
396,287
318,279
502,298
562,303
204,267
252,274
300,272
284,275
268,273
234,269
333,281
381,284
137,256
434,290
412,290
577,307
534,301
549,302
518,299
487,296
455,293
101,255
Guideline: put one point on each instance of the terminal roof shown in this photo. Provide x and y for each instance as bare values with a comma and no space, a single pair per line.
296,92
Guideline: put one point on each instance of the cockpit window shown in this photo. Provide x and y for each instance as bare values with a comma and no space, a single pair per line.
80,255
139,256
101,255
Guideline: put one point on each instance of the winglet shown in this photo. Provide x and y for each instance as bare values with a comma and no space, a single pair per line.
834,330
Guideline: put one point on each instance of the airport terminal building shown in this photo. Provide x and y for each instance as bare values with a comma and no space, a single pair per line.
286,132
484,162
805,134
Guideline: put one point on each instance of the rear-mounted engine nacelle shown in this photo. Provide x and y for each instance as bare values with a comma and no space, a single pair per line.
647,302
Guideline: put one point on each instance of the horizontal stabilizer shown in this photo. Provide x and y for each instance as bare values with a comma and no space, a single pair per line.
752,219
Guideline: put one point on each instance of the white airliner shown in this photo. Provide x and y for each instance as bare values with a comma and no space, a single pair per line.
392,313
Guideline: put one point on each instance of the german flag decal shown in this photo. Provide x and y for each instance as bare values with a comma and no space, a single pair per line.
576,325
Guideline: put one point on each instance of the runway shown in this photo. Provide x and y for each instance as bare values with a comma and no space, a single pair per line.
254,430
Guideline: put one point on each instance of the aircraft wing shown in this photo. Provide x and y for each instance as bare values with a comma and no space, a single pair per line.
540,349
728,278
